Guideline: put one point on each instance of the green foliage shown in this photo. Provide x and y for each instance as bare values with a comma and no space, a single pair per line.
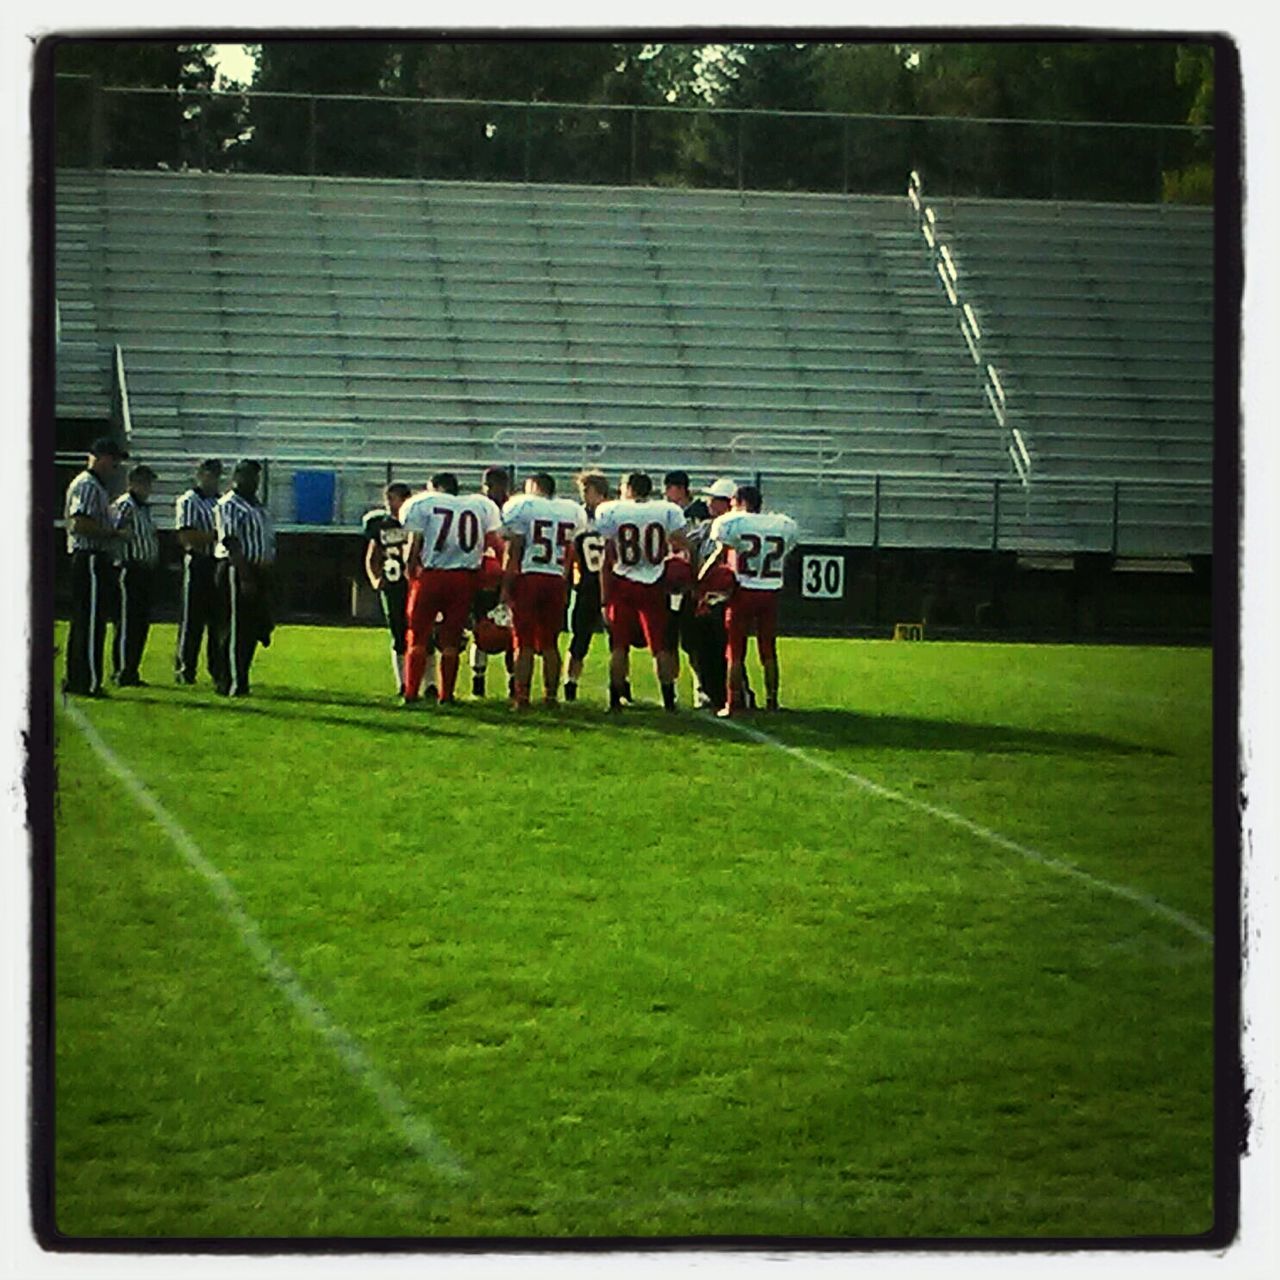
135,131
1194,74
365,118
1192,185
645,975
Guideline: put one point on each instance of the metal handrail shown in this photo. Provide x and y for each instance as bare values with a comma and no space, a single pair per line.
989,378
120,412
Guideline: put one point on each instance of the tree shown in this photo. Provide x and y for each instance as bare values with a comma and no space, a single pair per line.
175,128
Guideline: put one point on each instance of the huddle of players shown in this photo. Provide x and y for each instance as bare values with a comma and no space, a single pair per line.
702,574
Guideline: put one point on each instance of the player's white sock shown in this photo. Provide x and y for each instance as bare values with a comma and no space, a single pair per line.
397,666
479,660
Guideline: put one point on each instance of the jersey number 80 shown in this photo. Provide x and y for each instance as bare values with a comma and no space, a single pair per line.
636,547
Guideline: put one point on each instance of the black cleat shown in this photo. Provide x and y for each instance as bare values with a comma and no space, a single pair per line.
570,691
432,694
477,686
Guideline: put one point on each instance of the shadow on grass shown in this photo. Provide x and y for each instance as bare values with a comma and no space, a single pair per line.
392,719
837,727
816,727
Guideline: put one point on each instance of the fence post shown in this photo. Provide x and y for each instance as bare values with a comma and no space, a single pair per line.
1115,518
995,514
312,140
97,124
420,142
875,511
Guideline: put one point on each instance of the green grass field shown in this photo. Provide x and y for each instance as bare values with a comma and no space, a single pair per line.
926,955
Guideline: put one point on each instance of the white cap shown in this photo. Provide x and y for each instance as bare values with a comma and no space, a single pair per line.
722,488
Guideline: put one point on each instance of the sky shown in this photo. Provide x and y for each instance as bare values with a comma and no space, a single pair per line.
234,62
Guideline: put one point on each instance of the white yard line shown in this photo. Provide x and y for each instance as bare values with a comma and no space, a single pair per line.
1144,900
416,1132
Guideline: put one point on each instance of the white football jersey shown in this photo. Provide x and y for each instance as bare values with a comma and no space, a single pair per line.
761,541
453,527
548,527
640,533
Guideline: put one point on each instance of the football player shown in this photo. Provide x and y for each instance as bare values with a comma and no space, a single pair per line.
756,545
385,567
588,558
540,530
640,536
682,625
448,535
495,485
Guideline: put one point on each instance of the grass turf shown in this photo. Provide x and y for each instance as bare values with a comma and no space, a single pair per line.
651,977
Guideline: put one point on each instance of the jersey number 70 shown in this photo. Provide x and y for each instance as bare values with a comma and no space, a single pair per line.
468,532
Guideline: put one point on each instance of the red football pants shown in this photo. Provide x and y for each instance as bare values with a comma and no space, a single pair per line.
537,611
636,603
751,611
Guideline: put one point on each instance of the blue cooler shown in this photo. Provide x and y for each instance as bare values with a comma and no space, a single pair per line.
314,493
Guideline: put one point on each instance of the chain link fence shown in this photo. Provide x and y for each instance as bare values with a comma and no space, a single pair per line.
101,126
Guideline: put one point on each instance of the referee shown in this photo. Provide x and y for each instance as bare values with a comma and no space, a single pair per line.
137,555
90,539
193,520
244,554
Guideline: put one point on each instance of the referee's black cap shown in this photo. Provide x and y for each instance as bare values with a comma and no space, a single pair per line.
105,446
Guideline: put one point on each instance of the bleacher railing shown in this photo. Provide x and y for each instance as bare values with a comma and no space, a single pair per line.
610,144
879,509
121,415
989,379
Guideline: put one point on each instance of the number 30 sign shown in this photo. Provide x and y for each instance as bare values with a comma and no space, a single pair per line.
822,577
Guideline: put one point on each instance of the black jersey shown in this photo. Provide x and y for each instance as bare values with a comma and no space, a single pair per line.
392,537
588,556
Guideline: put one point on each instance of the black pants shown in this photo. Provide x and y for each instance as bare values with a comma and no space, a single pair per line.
132,620
196,621
92,603
706,634
684,632
584,621
243,621
394,604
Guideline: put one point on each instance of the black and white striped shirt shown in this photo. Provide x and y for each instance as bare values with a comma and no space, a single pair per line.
250,523
193,510
87,496
132,515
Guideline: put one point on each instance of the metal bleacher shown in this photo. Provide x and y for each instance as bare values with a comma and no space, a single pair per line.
396,327
1104,318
